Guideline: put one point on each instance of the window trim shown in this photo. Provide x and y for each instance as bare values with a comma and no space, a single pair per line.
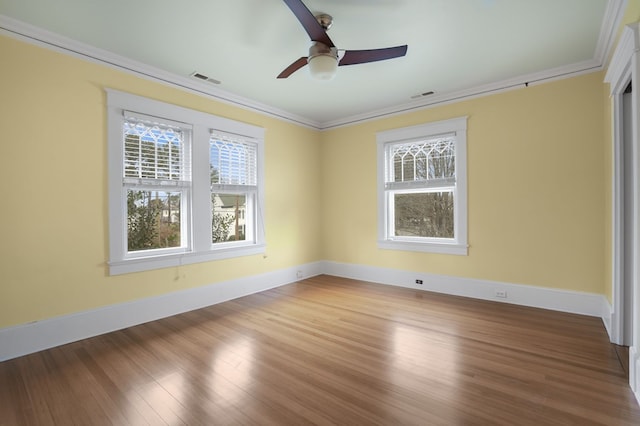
201,249
182,185
247,187
457,245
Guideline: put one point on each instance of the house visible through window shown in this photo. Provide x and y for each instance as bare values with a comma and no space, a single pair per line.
422,187
184,186
233,167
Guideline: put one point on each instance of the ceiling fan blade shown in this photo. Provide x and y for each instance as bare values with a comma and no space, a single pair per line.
309,22
352,57
293,67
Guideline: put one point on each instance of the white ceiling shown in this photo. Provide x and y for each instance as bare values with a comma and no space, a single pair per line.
456,47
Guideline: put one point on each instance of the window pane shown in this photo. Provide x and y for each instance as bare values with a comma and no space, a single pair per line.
408,167
424,214
228,217
424,160
397,167
232,162
153,152
153,220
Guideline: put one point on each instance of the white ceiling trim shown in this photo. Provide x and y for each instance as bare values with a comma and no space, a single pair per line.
56,42
34,35
612,18
621,59
431,101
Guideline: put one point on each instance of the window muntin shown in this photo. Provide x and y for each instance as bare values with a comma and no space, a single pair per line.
423,161
422,188
160,187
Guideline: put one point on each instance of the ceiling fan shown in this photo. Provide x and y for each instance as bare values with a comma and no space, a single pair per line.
324,59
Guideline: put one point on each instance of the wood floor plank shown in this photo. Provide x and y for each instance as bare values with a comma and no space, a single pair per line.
329,351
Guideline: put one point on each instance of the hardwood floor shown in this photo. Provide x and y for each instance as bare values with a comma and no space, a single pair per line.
329,350
623,357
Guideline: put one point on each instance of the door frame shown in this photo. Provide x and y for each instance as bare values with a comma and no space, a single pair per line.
625,67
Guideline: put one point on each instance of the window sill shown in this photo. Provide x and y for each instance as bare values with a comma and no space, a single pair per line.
441,248
140,264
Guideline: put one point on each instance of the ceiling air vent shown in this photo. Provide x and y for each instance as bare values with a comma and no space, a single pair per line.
419,95
203,77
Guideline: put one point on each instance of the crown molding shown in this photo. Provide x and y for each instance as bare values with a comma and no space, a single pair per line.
609,29
56,42
34,35
520,82
620,61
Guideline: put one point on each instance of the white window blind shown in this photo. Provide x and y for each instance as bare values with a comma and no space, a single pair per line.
233,161
155,151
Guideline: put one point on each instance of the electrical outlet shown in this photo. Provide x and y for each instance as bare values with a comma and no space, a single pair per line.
501,294
299,274
419,282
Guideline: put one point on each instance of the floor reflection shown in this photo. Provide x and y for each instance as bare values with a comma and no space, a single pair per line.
231,370
158,401
426,353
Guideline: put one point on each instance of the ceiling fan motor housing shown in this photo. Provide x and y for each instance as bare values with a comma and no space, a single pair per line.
317,49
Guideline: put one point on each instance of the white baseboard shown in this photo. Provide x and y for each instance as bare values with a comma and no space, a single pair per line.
607,318
634,371
538,297
39,335
36,336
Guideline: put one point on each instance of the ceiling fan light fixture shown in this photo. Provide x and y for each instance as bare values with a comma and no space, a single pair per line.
323,67
323,61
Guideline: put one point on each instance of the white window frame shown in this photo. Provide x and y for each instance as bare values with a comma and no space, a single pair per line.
245,188
456,245
152,184
198,246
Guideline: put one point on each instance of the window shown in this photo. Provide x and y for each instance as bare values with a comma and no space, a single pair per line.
157,183
184,186
422,194
233,167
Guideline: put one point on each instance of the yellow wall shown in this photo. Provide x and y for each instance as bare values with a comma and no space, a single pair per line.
631,15
537,189
54,189
535,183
